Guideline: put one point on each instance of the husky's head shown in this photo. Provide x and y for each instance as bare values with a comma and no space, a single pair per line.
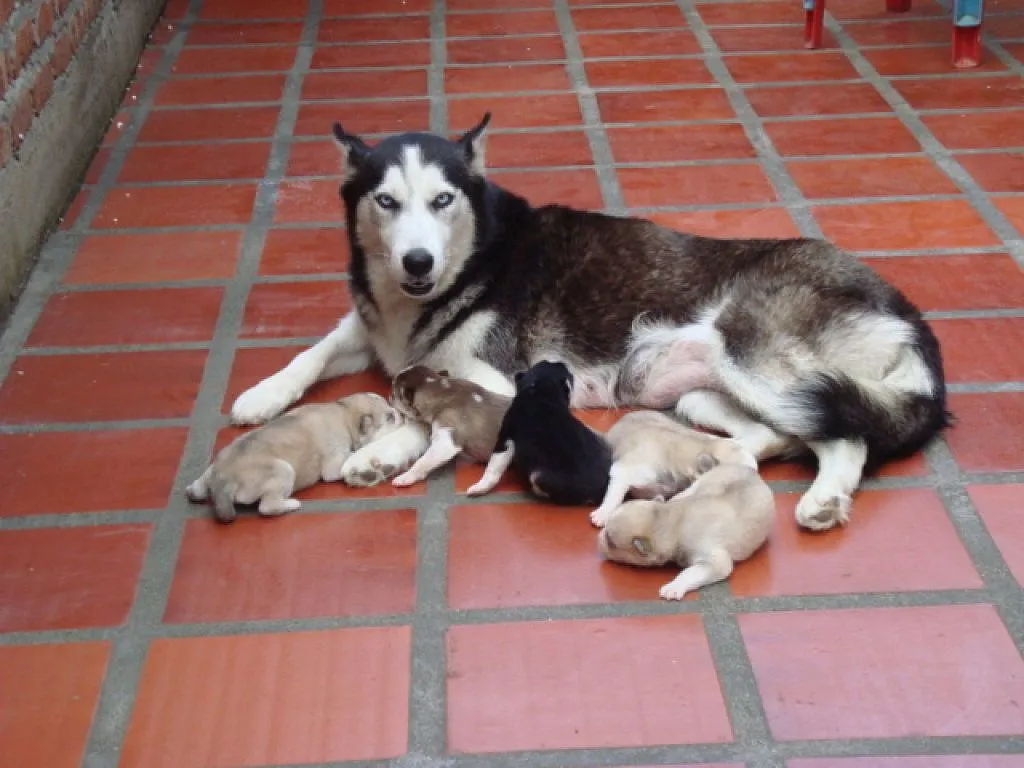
409,202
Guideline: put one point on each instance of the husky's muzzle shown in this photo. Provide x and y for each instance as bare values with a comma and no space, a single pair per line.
418,264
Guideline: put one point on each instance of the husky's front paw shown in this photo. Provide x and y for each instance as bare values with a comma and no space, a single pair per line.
264,401
821,514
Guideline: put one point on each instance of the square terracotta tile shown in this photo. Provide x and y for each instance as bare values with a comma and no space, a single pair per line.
108,387
209,124
305,252
1002,172
97,165
337,695
531,685
499,24
656,144
768,12
537,150
757,222
491,5
930,60
235,58
309,200
630,73
981,441
863,10
298,567
542,110
89,469
181,91
314,158
970,281
981,130
316,119
253,9
897,541
751,39
847,674
881,177
911,225
975,350
154,258
1000,507
909,761
652,106
145,316
805,65
533,48
176,206
384,54
640,17
962,93
69,578
379,28
283,310
578,188
803,469
661,42
374,7
506,78
1013,209
48,699
893,32
1005,27
863,136
253,365
359,85
548,555
696,185
122,121
202,162
244,34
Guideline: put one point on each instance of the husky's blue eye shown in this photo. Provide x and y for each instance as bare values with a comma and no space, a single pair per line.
443,200
387,202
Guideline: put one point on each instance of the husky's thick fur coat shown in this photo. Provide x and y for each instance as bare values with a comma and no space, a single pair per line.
786,345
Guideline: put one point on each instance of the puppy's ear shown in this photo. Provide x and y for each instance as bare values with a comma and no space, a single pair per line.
473,145
519,376
642,545
407,394
354,151
705,463
365,424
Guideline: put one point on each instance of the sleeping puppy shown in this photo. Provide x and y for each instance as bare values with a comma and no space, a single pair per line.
564,460
292,452
463,417
724,517
655,455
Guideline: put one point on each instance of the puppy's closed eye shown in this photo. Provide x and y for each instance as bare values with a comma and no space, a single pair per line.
366,424
642,545
705,463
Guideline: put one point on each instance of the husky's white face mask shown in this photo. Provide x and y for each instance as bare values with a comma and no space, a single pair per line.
412,215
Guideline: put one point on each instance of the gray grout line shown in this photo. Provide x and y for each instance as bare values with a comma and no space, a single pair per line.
436,71
774,166
942,157
92,426
129,650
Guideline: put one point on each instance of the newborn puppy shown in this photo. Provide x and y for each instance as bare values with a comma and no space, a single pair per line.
724,517
655,455
292,452
563,459
463,417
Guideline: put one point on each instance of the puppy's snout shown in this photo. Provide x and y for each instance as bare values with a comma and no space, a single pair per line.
418,262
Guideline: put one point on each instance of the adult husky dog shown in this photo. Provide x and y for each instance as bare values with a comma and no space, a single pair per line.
786,345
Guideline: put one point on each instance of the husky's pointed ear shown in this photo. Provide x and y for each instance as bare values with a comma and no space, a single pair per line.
472,143
353,150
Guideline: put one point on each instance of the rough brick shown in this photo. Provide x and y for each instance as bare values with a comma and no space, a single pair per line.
63,50
5,76
5,144
42,88
61,5
21,120
6,9
24,43
44,22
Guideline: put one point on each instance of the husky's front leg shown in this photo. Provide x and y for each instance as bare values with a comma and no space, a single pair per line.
484,375
343,351
387,456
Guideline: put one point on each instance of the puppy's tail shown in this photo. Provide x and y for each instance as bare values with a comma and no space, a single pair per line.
223,495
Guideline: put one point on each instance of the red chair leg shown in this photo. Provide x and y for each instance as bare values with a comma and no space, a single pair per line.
966,47
814,21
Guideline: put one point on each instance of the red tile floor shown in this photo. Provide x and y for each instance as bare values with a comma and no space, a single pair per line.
420,628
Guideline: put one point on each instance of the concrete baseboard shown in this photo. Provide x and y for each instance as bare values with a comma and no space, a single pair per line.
37,185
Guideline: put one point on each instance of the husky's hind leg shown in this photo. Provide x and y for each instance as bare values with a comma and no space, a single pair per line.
715,411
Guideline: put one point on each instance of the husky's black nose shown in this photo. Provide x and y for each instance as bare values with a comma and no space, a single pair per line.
418,262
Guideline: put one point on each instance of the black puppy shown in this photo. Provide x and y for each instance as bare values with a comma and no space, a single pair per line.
565,461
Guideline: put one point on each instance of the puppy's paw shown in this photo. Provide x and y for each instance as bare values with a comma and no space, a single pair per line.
673,591
479,488
820,514
264,401
278,507
365,471
600,516
384,458
406,479
197,491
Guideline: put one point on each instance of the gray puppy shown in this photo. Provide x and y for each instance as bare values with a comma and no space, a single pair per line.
463,417
292,452
724,517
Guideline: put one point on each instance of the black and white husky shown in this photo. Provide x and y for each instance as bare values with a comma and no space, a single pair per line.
786,345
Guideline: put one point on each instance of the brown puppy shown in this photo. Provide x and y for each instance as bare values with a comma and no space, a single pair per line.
463,417
724,517
292,452
653,454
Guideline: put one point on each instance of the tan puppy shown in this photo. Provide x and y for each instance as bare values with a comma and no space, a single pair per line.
463,418
655,455
292,452
723,518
